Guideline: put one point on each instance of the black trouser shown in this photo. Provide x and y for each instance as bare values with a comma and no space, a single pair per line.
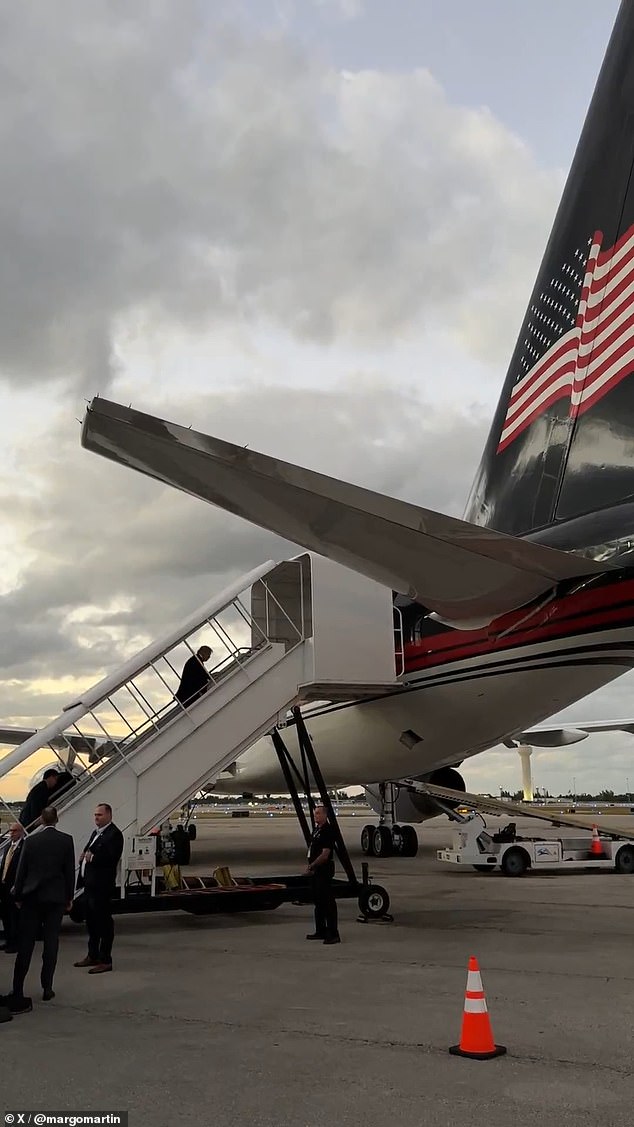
100,926
10,915
326,919
34,915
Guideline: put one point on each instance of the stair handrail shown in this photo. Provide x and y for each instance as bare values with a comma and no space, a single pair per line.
135,665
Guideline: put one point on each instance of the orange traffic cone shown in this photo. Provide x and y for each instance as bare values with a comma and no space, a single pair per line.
596,849
476,1038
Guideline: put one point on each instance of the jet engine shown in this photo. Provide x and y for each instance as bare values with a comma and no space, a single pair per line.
75,770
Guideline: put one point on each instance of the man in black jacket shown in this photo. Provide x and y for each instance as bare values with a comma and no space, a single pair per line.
321,866
194,678
9,911
43,889
52,785
98,876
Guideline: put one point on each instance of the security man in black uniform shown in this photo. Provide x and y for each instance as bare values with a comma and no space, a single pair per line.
321,866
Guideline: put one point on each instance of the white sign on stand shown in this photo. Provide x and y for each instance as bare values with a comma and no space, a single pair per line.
141,861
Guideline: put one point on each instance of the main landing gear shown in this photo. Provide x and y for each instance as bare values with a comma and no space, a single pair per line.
388,841
389,838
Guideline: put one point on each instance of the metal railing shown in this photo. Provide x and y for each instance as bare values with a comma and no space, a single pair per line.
399,642
118,716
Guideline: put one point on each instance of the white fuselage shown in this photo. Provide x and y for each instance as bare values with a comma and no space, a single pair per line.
458,709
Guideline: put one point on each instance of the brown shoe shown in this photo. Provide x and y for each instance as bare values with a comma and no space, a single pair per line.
100,968
87,962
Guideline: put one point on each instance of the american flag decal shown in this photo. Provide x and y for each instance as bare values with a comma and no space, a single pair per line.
580,336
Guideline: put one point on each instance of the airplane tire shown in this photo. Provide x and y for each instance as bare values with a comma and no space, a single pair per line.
374,902
191,830
367,841
382,842
409,840
624,860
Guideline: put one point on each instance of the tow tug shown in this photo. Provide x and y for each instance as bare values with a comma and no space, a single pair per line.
513,854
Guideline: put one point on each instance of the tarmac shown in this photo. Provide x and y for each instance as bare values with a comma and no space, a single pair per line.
237,1020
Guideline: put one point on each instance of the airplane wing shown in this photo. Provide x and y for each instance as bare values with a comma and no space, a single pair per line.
465,574
552,736
16,736
67,744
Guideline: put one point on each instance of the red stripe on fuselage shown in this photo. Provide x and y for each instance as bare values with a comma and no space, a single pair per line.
563,618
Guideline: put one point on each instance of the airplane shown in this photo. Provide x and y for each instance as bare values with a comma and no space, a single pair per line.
526,605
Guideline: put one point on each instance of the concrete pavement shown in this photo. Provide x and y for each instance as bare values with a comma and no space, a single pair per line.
234,1020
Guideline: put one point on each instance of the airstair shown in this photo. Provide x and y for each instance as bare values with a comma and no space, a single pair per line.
285,634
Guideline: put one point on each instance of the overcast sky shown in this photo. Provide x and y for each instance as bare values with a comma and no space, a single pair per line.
309,226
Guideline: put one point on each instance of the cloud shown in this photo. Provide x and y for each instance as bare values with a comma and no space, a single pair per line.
343,9
163,165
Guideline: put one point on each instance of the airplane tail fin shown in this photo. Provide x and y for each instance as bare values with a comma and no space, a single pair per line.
561,445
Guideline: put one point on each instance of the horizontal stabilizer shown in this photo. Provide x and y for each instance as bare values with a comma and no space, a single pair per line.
543,736
466,574
553,737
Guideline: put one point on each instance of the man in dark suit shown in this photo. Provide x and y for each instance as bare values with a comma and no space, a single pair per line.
194,678
52,785
98,876
43,889
9,911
